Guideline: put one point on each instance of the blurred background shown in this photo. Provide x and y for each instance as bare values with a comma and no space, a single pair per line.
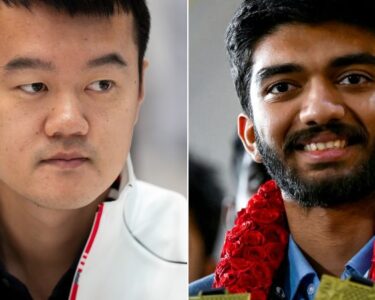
213,110
213,104
159,150
222,176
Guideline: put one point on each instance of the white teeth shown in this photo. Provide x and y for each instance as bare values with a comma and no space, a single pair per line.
338,144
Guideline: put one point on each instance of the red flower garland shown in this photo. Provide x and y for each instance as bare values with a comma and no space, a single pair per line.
255,247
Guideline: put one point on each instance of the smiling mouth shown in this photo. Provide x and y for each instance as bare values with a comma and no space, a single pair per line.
328,138
334,144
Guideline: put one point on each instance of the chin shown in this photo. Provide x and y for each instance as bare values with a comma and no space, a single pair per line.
65,201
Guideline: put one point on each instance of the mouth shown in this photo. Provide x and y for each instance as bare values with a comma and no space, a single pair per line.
326,138
321,146
66,160
327,144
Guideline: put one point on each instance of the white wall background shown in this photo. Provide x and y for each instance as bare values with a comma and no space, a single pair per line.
213,104
159,149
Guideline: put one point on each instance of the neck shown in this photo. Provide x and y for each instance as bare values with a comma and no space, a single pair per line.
36,240
330,237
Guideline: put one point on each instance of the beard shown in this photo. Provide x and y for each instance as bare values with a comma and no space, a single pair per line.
325,192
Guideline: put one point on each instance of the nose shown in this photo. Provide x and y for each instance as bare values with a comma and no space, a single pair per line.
322,104
66,118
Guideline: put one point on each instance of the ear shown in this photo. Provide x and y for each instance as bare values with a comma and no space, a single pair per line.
141,91
247,136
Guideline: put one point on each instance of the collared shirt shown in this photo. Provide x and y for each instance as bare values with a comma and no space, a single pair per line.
302,282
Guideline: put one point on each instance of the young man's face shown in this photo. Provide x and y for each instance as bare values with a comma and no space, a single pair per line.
69,98
313,98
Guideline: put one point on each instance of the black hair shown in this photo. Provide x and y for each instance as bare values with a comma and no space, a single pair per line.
257,18
138,9
205,198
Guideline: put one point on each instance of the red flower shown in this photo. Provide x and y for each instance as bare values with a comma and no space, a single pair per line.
255,247
267,216
253,253
253,238
275,233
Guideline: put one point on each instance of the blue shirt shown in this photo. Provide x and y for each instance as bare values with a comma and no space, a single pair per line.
299,281
302,282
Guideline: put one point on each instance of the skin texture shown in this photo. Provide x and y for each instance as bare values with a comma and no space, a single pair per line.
316,94
47,206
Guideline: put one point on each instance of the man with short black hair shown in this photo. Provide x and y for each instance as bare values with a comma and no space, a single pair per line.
305,75
74,221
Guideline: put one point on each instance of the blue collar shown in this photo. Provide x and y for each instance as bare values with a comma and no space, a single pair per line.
299,271
361,262
298,268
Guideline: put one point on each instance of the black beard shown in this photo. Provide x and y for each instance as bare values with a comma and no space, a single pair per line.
327,193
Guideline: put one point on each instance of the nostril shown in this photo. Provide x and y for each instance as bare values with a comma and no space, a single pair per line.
311,123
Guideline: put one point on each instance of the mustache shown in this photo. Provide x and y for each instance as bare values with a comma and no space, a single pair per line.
353,135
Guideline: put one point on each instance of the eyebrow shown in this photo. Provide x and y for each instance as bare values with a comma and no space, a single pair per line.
21,63
271,71
108,59
353,59
339,62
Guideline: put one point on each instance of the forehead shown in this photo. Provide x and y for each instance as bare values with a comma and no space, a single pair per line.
311,45
43,30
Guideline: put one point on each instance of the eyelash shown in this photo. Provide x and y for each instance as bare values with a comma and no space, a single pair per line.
109,82
279,84
43,87
362,79
359,76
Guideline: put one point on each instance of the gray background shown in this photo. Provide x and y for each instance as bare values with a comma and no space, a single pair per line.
159,148
213,104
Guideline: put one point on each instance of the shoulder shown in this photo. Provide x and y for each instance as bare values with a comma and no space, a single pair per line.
155,197
157,219
203,284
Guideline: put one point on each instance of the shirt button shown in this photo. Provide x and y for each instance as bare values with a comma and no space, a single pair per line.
280,292
310,289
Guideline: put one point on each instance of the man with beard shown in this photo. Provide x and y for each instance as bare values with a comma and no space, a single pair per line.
305,75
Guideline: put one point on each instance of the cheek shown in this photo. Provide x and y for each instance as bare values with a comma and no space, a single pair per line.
18,132
113,135
271,125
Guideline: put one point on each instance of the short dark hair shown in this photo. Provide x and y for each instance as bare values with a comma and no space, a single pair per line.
257,18
205,198
138,8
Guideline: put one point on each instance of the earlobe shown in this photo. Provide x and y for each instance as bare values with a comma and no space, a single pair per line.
247,136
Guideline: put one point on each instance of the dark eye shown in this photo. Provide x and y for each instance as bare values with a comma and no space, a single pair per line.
354,79
101,85
33,88
281,87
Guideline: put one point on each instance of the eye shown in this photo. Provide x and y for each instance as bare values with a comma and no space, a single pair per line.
281,87
33,88
353,79
100,85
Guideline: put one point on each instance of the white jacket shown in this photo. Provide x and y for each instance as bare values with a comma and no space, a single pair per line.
137,249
